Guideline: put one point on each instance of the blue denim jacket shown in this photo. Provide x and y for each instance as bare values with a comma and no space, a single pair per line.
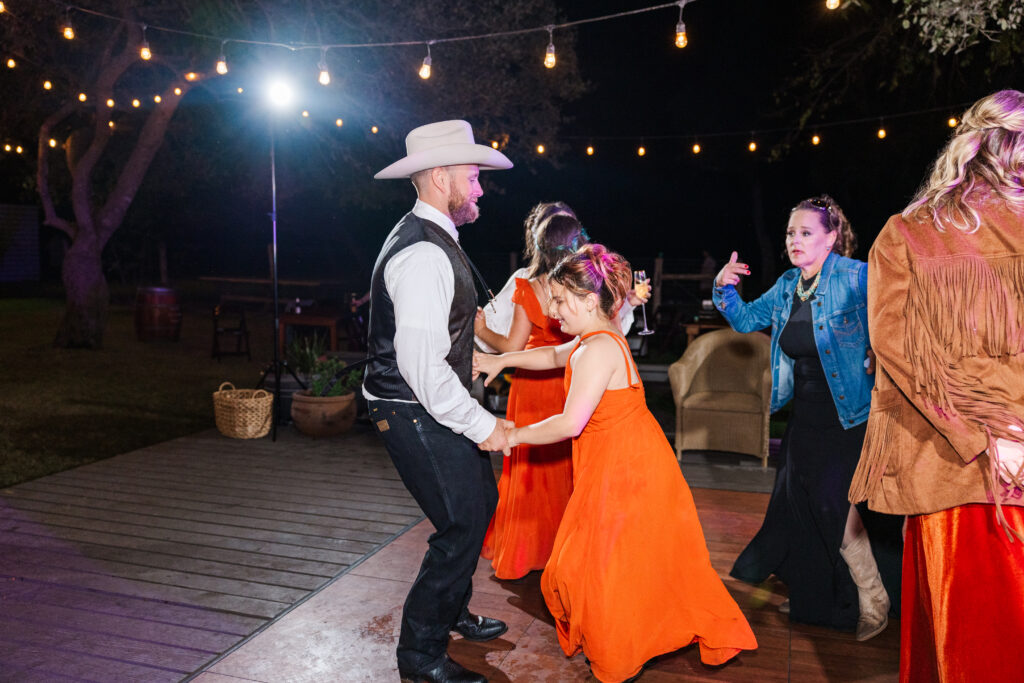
840,318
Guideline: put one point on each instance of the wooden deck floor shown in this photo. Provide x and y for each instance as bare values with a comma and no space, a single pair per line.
221,561
147,566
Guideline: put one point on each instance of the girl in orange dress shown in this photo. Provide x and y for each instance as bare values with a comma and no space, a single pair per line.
629,577
536,481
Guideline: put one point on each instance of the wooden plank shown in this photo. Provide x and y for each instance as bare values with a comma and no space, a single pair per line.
130,608
179,562
27,662
41,524
22,561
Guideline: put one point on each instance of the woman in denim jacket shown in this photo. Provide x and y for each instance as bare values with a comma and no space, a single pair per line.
812,538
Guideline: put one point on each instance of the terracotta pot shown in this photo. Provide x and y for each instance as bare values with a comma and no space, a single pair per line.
323,415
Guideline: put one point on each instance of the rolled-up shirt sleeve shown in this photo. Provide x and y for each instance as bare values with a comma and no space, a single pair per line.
421,284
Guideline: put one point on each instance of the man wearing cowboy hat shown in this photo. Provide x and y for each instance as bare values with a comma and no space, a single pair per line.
422,306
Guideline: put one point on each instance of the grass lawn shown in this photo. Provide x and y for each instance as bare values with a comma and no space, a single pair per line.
60,408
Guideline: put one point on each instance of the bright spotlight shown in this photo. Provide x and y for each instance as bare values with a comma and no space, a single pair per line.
280,94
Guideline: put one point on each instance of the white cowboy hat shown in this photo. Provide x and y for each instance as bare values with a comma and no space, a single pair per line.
445,143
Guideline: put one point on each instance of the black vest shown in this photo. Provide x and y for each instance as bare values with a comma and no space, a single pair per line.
382,377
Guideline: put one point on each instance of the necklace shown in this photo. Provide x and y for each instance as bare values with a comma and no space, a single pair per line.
805,294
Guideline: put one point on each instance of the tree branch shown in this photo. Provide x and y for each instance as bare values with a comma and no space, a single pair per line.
50,216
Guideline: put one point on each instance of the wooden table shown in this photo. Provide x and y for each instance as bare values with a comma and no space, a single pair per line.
327,319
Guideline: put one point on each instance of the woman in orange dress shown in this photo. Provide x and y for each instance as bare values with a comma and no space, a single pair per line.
629,577
536,481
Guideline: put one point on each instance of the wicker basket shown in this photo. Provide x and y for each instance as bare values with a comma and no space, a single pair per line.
242,413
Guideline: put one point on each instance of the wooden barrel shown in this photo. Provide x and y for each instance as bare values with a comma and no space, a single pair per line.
157,314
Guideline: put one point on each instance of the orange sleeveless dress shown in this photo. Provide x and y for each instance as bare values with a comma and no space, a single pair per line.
536,481
630,577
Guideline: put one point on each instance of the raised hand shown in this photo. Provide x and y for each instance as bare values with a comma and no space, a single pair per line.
486,364
731,271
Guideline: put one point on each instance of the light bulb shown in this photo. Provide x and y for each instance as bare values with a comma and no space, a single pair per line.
145,52
881,133
816,139
136,103
831,4
47,85
641,150
494,144
68,31
157,99
752,146
374,129
339,123
2,8
952,122
540,149
177,91
425,68
11,63
191,76
549,56
82,97
696,148
305,113
222,65
325,75
7,148
681,40
110,124
240,90
19,149
590,150
110,103
53,143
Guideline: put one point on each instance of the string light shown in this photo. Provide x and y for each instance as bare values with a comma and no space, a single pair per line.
424,71
157,99
881,133
696,148
831,4
339,123
177,91
590,150
325,75
53,143
240,90
549,55
19,149
305,113
752,146
681,39
952,122
47,85
191,76
222,61
110,124
815,139
540,149
82,97
144,51
641,150
494,144
66,28
374,129
136,103
11,63
2,8
7,147
110,103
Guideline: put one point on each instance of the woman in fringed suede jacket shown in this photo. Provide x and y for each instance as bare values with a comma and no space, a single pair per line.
946,315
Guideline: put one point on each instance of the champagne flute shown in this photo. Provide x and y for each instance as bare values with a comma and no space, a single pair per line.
642,286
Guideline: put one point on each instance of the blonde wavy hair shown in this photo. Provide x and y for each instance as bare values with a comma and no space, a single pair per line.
985,157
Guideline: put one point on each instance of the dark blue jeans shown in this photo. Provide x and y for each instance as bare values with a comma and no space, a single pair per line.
453,483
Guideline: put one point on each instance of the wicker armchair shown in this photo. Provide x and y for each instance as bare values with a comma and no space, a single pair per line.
722,391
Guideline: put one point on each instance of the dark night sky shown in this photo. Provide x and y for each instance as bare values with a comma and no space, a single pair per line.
669,202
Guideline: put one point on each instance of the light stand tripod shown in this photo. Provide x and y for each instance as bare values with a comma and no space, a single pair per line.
277,364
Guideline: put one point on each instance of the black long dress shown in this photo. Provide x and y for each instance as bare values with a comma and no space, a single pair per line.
803,527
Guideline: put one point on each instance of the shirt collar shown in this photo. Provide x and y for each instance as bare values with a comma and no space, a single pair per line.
427,212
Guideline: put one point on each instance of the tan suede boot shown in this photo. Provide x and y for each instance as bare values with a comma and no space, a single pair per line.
874,601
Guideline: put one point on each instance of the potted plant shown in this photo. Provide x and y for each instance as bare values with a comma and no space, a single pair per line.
328,406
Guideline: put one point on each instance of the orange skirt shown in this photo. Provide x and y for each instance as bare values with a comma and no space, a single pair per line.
963,597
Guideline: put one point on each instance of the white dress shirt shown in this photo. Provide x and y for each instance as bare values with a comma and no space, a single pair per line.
421,284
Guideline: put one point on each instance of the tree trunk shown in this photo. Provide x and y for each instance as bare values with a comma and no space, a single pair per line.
88,297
